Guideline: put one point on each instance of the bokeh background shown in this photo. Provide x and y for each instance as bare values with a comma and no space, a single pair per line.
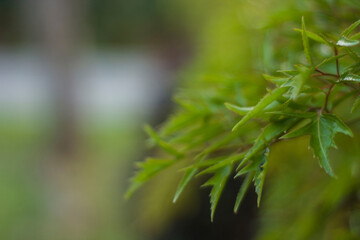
79,78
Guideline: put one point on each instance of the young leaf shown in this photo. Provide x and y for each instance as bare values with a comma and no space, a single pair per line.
259,177
164,145
243,189
148,169
351,28
345,42
217,182
264,102
313,36
305,41
356,104
189,174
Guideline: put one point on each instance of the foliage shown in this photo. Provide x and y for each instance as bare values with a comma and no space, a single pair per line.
301,101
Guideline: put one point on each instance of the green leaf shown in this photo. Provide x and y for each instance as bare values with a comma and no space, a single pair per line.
289,73
345,42
351,28
252,166
295,114
313,36
217,182
356,104
243,189
327,60
259,177
322,138
322,130
149,168
225,162
305,41
161,143
349,77
301,131
189,174
237,109
355,36
276,80
242,111
270,132
299,80
339,125
264,102
352,54
230,136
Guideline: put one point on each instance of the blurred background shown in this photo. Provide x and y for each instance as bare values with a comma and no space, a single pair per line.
79,78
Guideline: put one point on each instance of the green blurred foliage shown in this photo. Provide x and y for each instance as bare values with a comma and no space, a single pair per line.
236,42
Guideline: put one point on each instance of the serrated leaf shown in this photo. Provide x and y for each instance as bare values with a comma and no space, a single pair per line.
345,42
264,102
270,132
351,28
356,104
189,174
322,130
243,189
161,143
220,164
259,178
313,36
305,41
149,168
217,182
321,140
252,166
339,125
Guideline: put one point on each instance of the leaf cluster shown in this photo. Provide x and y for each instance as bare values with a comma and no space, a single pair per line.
299,102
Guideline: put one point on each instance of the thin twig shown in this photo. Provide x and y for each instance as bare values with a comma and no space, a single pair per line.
325,107
337,62
325,74
327,98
